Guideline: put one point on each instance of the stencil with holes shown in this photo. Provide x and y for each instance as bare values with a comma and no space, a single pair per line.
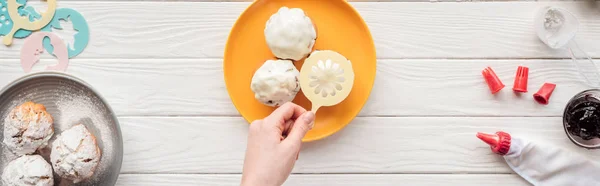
6,22
326,78
23,22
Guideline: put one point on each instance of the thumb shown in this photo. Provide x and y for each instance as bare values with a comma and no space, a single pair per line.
301,126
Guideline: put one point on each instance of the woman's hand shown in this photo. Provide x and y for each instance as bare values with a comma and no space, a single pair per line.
272,151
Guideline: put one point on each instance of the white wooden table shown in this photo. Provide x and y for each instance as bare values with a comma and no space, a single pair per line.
159,64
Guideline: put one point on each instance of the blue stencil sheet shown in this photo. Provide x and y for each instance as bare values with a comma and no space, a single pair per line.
82,37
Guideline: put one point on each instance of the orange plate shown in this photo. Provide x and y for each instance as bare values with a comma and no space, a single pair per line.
339,28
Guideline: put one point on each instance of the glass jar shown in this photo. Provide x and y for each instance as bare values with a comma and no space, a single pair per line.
581,119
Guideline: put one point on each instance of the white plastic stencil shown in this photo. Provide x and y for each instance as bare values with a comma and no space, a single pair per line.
326,78
557,27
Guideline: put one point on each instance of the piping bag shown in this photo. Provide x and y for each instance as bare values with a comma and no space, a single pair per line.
543,165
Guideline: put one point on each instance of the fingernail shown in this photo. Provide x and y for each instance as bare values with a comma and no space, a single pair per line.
309,118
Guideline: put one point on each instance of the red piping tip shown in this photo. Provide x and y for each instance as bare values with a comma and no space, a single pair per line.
492,80
499,142
521,79
543,95
490,139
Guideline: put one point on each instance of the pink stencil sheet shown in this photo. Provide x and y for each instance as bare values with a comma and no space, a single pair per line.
33,47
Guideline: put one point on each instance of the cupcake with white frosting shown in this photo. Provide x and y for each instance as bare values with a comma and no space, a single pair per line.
290,34
28,170
75,154
275,82
27,128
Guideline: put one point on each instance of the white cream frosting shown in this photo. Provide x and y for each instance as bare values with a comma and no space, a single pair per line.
275,82
290,34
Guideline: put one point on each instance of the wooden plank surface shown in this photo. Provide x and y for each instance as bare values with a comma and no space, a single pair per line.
195,87
407,145
161,70
122,29
329,180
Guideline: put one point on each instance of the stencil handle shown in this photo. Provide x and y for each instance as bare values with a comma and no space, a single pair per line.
9,37
315,108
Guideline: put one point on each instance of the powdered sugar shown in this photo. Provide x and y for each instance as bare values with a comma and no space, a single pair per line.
84,110
70,102
27,128
75,154
28,170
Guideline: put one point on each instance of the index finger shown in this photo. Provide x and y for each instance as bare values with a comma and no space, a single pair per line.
285,112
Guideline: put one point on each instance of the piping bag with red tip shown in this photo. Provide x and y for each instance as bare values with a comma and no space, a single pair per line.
543,165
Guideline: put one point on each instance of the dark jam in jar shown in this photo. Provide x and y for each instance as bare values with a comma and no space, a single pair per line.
582,117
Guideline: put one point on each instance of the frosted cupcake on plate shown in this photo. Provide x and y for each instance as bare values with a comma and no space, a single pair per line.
290,34
75,154
275,82
28,170
27,128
